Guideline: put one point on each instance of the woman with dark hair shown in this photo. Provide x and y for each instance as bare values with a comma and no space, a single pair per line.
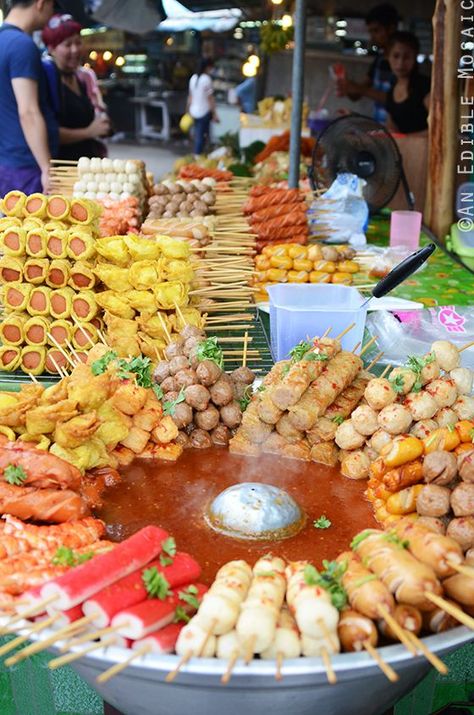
201,103
408,100
74,91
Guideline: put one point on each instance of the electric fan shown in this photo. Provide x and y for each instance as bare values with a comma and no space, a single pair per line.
359,145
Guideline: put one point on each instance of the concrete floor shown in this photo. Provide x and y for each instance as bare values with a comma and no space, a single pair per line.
159,158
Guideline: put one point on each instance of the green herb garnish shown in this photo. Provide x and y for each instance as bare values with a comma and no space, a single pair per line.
397,384
364,580
155,583
322,523
190,597
450,428
261,388
316,357
285,370
66,557
180,615
338,419
169,407
361,536
300,350
139,366
416,365
394,539
330,580
264,574
311,575
158,390
15,475
246,398
210,350
100,366
168,553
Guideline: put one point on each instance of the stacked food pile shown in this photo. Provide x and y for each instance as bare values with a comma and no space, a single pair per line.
31,555
294,263
198,232
298,399
415,399
119,217
147,283
181,198
277,215
281,143
104,414
194,171
47,272
204,402
115,180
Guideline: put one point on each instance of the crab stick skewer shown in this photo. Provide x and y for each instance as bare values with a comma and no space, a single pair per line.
161,641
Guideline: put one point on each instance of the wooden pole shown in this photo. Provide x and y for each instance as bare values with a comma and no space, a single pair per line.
443,118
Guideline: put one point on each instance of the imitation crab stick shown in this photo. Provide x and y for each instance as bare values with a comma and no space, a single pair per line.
161,641
80,583
131,590
151,615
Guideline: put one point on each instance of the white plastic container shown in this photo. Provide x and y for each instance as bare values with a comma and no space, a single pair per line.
298,311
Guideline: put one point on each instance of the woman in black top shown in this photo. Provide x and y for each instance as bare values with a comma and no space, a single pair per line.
80,124
408,100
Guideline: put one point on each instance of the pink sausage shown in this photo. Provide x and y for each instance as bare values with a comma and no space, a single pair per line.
12,240
151,615
14,297
58,303
131,589
162,641
78,584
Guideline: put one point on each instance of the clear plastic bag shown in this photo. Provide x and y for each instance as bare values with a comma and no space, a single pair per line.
413,332
345,204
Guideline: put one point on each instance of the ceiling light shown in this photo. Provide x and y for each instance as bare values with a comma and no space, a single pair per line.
254,60
120,61
93,55
107,55
286,22
249,70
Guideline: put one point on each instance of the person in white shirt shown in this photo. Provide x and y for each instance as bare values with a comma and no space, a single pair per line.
201,103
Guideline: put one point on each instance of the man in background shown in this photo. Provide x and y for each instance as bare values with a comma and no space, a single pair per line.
28,129
382,22
246,93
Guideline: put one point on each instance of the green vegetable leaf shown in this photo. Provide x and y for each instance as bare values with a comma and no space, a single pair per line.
168,546
311,575
100,366
338,419
158,390
300,350
156,584
322,523
209,350
139,366
66,557
393,538
358,538
15,475
261,388
189,596
246,399
316,357
397,384
450,428
180,615
285,370
265,574
169,407
330,580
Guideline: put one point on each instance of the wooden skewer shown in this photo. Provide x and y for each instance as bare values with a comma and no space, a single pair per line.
331,675
85,334
453,611
102,338
163,325
27,612
173,673
179,314
90,636
386,371
356,347
70,347
57,636
400,632
208,635
249,649
32,378
328,636
344,332
61,350
465,347
384,667
374,361
19,640
61,371
431,657
230,667
71,657
118,667
279,665
246,340
326,333
367,346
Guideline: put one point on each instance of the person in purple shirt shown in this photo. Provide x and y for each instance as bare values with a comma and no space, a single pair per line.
29,132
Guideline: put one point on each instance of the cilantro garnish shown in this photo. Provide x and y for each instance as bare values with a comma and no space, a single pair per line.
416,365
322,523
168,547
100,366
316,357
180,615
397,384
300,350
155,583
450,428
66,557
190,597
329,579
158,390
338,419
210,350
15,475
394,539
169,407
139,366
358,538
245,400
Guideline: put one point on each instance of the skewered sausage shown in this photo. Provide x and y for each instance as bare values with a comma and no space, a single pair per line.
460,587
55,505
221,391
364,590
433,500
443,391
178,363
466,466
183,415
174,348
462,499
447,355
439,468
347,436
200,439
231,415
462,530
464,407
439,621
161,371
207,419
437,526
379,393
432,549
405,576
423,428
208,372
446,417
364,419
408,617
354,630
243,374
462,378
421,405
395,419
221,435
185,378
197,396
